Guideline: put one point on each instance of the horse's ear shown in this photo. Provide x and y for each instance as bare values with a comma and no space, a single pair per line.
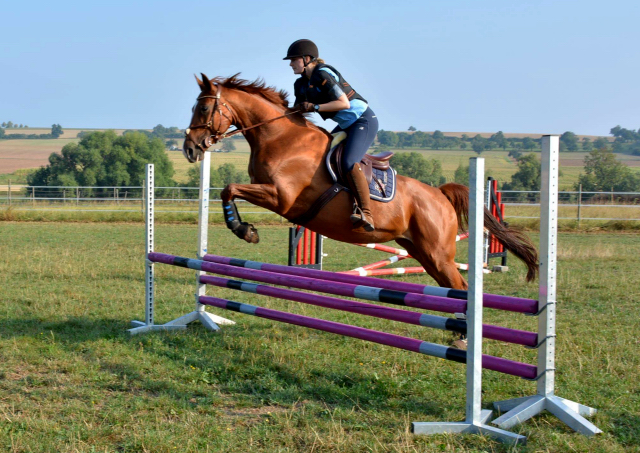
206,84
200,83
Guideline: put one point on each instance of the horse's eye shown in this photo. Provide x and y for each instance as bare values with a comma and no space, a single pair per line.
205,108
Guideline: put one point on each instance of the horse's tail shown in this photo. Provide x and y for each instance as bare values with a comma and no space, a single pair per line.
513,239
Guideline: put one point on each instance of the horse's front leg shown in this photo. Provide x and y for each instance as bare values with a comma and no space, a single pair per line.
263,195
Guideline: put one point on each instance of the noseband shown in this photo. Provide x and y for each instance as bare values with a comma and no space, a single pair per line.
216,135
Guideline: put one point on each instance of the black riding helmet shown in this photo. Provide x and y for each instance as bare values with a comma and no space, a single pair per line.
302,47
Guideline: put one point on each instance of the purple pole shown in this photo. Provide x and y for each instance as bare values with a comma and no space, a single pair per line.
409,344
423,301
507,303
394,314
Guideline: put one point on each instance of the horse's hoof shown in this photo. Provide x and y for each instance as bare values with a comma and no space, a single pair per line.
248,232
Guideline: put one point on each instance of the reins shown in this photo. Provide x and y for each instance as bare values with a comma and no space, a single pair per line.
217,136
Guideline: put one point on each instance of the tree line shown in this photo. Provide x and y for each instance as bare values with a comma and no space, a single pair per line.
104,159
569,142
11,125
56,131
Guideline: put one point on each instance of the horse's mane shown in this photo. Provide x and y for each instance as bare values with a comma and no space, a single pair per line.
258,87
271,94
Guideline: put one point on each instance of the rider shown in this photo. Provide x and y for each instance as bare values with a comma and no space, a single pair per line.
321,88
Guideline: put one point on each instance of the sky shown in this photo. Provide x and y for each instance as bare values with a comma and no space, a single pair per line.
455,66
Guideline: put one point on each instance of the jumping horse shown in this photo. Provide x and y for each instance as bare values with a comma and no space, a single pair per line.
288,175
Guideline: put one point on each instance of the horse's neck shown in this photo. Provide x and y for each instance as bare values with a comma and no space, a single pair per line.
283,134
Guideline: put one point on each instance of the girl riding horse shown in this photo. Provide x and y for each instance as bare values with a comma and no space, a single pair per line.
321,88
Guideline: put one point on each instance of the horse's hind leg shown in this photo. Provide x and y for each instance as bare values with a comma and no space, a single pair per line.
437,260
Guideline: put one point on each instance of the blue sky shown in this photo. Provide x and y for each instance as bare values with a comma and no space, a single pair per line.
537,67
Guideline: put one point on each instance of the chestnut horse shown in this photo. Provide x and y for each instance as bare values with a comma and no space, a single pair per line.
288,174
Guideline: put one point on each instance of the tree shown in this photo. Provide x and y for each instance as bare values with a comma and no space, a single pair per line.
413,165
56,130
437,135
228,145
498,140
586,144
4,124
463,145
171,143
570,140
601,143
9,124
387,138
479,144
461,175
1,132
412,129
603,173
528,143
528,175
104,159
515,154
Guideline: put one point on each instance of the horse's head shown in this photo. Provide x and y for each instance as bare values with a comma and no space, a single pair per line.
208,122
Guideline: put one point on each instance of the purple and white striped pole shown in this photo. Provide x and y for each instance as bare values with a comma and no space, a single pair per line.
393,314
498,364
507,303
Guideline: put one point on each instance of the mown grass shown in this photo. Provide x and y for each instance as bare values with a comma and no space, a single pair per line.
169,212
73,380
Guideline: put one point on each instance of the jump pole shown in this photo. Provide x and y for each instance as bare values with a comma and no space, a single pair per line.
209,320
519,410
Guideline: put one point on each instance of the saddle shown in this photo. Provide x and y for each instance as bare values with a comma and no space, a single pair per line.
380,176
378,161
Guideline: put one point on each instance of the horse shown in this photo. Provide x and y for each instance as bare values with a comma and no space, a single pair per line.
288,174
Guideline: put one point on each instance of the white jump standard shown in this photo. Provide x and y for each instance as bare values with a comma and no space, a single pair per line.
522,409
209,320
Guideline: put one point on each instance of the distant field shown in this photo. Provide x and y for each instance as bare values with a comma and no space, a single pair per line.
27,154
18,156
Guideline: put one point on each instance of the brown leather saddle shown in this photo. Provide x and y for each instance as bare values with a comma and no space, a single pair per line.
369,162
379,161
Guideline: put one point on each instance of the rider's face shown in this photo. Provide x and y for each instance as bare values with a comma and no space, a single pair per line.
297,64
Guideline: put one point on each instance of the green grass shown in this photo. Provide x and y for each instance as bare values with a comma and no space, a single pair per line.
73,380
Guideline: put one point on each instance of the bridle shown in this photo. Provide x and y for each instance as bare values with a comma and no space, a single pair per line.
216,134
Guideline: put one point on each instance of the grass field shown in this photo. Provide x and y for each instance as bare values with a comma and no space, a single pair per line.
72,380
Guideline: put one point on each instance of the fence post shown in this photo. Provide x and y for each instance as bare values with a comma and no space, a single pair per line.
579,202
9,195
33,196
77,196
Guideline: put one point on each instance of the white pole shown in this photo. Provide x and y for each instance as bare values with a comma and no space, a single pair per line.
548,264
476,418
149,221
203,223
474,294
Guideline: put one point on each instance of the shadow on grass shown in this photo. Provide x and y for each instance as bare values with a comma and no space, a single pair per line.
240,368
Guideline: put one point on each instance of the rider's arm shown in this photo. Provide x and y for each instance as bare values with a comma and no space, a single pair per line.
339,104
